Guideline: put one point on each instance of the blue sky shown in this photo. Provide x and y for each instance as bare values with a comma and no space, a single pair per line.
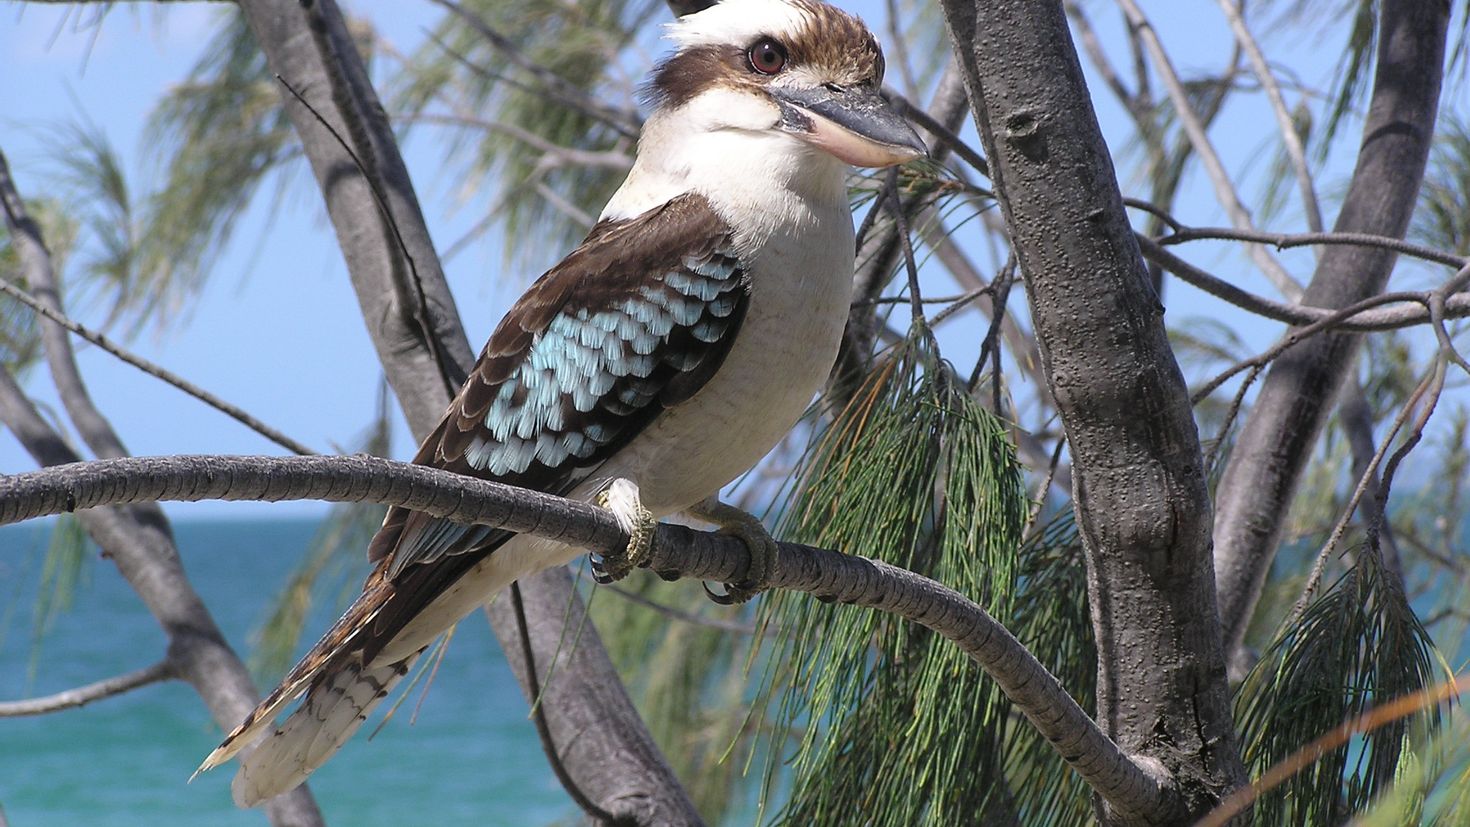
278,329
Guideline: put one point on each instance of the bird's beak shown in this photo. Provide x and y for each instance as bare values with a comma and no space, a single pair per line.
853,124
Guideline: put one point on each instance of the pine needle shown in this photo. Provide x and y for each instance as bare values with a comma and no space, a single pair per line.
889,720
1357,646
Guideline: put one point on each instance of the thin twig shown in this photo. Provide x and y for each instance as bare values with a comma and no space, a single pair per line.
1429,388
83,695
1330,321
157,371
1188,119
901,227
1363,319
1284,241
1289,137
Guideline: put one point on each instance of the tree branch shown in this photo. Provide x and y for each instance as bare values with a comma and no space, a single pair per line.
83,695
1266,465
153,369
1367,318
1133,785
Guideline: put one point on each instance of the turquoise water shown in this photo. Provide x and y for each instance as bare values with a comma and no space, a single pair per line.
471,757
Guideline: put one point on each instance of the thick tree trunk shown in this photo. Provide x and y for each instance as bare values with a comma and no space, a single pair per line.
415,327
1266,465
1142,507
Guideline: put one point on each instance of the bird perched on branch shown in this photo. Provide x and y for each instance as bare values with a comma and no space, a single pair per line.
656,363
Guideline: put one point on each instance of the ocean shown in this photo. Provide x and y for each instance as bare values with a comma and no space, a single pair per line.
471,755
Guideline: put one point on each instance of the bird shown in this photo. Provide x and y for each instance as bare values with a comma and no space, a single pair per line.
661,359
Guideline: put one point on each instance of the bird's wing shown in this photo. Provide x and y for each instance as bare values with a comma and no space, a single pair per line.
634,321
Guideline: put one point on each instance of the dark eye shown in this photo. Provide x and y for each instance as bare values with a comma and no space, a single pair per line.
767,56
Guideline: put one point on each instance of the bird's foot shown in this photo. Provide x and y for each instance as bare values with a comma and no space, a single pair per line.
758,541
622,499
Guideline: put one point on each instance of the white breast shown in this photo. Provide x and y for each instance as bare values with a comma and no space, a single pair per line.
787,203
801,283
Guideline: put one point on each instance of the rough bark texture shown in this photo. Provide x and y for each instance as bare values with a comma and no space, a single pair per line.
1142,507
1266,465
306,42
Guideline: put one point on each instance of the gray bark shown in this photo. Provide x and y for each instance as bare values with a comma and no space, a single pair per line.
1266,465
139,540
1139,489
146,556
415,328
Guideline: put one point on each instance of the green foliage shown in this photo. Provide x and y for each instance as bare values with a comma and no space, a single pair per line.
893,721
1356,646
582,44
222,131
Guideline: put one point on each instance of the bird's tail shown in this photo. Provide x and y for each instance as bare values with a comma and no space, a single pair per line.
330,714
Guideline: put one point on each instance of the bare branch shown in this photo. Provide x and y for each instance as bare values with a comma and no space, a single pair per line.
83,695
1283,241
1359,317
1138,785
1224,189
155,370
1289,137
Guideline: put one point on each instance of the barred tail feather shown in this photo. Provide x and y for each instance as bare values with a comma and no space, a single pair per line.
332,712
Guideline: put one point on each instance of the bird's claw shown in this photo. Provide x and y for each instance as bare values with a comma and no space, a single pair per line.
622,499
758,541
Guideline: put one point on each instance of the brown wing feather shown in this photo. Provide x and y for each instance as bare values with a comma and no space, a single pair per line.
614,262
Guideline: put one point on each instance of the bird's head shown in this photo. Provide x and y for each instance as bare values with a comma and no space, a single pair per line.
796,70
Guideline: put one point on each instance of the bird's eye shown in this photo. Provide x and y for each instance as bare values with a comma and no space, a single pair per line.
767,56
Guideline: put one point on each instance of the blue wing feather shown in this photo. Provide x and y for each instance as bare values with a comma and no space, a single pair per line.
636,319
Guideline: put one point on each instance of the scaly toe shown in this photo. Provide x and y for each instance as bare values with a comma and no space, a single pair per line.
763,550
622,499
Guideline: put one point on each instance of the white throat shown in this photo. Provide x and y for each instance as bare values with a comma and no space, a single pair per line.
721,145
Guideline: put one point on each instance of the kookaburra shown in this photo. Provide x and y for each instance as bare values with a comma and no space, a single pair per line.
656,363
